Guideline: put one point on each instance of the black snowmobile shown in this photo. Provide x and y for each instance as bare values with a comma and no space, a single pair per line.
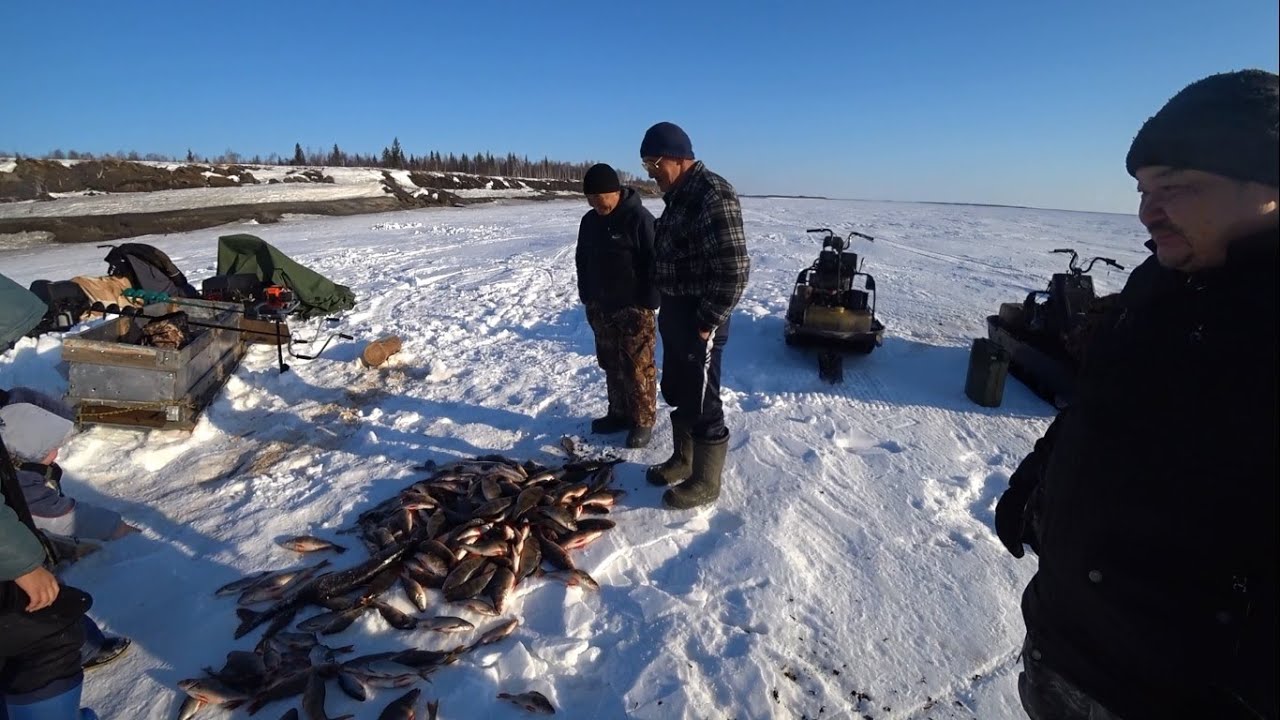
826,309
1045,335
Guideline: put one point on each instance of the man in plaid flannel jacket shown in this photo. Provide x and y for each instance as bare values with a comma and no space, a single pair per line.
701,269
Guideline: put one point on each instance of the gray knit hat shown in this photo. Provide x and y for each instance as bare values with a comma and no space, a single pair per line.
30,432
1226,124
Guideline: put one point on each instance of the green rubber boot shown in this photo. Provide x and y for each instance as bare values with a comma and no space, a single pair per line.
703,485
679,466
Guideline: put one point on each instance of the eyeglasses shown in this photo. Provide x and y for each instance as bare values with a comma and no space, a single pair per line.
650,165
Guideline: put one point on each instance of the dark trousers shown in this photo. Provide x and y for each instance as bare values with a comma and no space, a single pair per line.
40,651
691,368
1046,695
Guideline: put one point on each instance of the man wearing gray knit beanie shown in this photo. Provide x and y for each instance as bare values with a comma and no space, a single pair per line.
1151,500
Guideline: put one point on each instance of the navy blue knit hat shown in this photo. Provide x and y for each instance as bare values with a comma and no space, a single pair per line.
600,178
666,140
1226,124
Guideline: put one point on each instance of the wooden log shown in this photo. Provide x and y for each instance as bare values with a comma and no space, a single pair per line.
377,352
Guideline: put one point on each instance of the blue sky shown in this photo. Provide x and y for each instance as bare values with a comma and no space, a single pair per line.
1023,103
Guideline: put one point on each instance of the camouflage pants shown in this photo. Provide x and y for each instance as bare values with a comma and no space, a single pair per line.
624,348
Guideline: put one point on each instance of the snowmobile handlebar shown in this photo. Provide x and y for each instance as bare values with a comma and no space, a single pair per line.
832,233
1074,265
1104,261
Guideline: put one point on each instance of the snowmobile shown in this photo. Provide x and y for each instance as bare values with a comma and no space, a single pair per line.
1044,334
826,309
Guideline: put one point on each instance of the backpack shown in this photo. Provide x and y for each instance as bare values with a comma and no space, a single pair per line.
67,303
148,269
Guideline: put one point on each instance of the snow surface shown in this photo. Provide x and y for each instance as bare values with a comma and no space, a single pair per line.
849,568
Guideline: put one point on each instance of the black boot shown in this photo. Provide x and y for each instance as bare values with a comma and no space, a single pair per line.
703,486
639,437
112,648
677,467
609,424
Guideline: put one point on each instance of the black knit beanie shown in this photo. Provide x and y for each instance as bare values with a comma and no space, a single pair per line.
666,140
600,178
1225,124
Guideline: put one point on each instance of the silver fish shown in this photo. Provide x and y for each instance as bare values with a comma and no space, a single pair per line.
307,543
480,606
497,633
402,708
190,707
574,577
445,624
500,587
395,618
416,593
579,539
353,686
213,692
532,701
243,583
313,700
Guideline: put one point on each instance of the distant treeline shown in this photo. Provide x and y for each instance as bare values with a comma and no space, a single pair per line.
393,157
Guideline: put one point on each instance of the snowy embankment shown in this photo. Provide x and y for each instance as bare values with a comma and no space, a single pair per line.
848,570
275,184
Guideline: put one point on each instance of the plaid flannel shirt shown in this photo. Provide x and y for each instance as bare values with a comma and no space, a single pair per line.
700,247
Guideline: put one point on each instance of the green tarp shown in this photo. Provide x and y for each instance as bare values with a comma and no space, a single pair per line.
250,254
20,312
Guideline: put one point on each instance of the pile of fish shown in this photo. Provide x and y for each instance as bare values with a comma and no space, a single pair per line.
473,531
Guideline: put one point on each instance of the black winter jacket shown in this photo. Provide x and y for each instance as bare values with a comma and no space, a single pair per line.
615,256
1154,506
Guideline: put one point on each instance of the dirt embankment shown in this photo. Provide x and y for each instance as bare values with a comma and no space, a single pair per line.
36,180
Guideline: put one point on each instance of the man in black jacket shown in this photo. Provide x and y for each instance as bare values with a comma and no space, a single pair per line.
615,283
701,268
1151,500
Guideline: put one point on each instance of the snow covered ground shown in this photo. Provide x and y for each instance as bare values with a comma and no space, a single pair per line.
848,570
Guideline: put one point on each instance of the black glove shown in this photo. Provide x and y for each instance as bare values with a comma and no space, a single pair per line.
1011,523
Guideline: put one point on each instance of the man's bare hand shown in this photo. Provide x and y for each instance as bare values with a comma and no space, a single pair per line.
41,586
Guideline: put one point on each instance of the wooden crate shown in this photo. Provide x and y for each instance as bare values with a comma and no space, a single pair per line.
114,381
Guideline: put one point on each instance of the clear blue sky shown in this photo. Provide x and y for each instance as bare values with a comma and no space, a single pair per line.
1026,103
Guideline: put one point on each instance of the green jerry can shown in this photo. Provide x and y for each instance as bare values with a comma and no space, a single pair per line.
988,366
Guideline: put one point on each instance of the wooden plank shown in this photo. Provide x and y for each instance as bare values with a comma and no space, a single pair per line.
263,332
125,416
125,355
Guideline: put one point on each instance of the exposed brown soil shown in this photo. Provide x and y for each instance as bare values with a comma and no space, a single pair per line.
35,179
102,228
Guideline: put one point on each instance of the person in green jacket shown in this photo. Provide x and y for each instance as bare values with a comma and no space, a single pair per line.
41,621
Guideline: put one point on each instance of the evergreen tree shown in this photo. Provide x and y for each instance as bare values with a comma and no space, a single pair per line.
397,154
